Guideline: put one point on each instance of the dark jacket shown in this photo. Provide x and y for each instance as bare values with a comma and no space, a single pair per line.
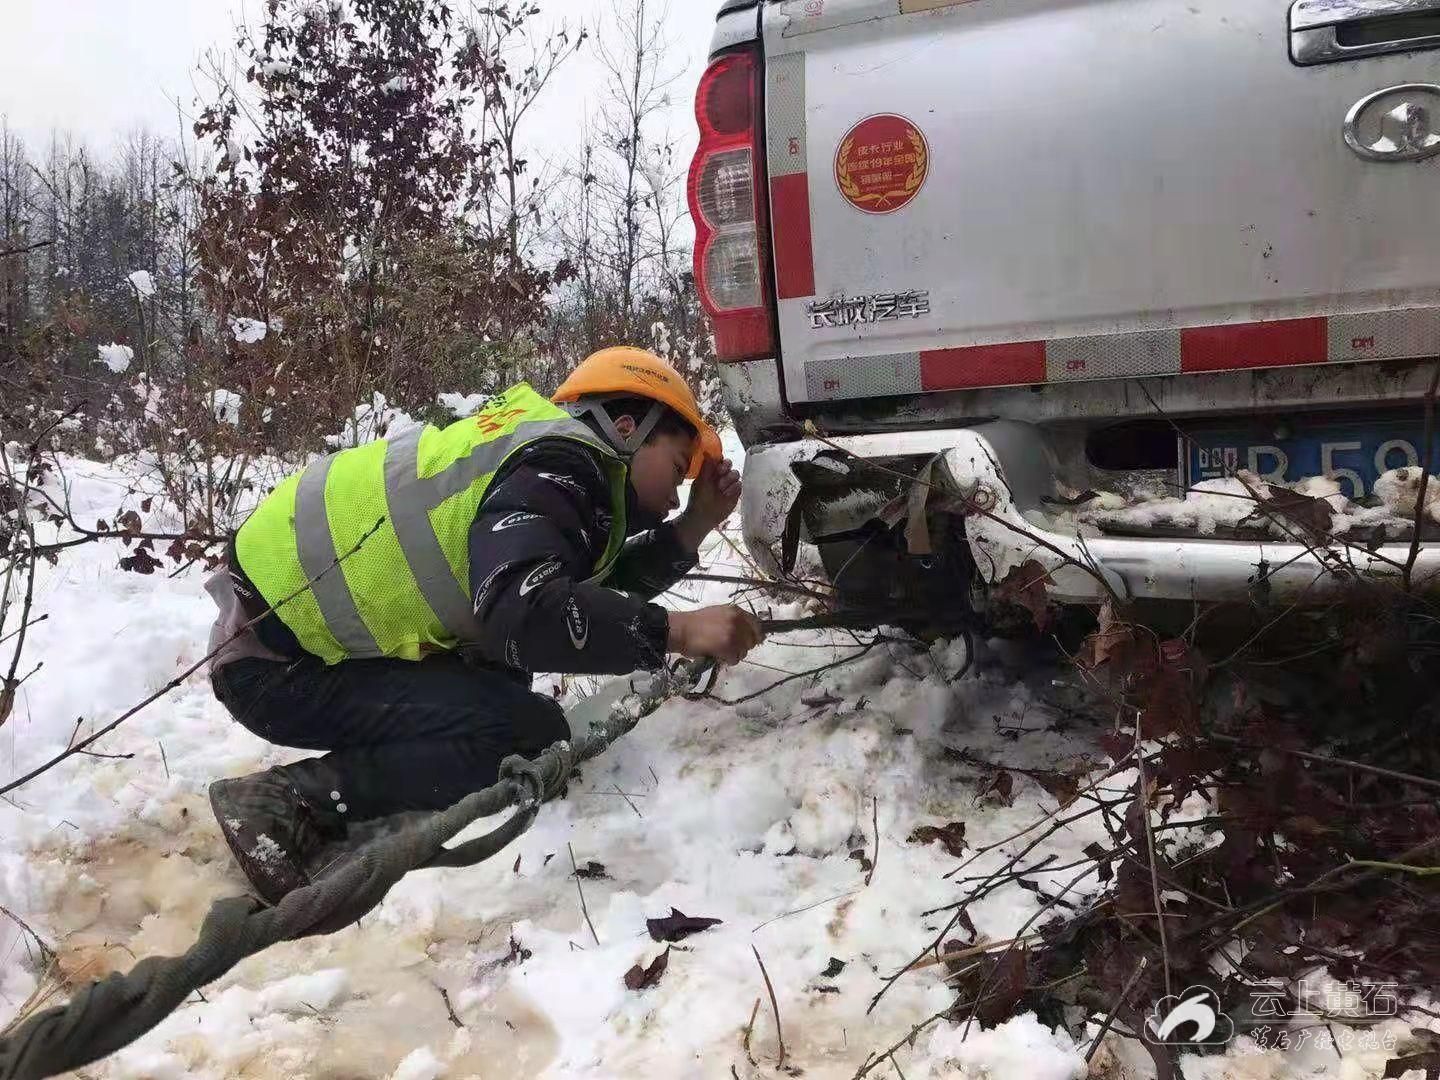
541,529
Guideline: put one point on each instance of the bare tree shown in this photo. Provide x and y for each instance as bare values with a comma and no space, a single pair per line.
636,95
618,226
519,62
15,239
622,224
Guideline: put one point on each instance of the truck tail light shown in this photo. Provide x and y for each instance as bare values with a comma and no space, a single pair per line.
727,203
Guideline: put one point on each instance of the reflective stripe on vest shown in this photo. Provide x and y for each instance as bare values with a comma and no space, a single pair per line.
411,498
318,558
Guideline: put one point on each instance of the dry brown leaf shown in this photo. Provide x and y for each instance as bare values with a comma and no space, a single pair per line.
642,978
1025,586
951,837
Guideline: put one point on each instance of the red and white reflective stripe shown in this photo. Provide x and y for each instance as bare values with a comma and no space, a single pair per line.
982,365
786,155
1371,335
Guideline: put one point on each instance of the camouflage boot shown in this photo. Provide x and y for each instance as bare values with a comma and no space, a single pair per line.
272,829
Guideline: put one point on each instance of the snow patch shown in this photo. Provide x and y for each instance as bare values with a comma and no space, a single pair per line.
248,331
225,405
1204,508
117,358
376,419
1022,1046
463,405
266,850
1399,490
142,283
307,993
421,1064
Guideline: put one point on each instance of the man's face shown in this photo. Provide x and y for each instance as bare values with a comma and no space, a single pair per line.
658,468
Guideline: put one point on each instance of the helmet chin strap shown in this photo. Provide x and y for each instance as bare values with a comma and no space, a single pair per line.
594,408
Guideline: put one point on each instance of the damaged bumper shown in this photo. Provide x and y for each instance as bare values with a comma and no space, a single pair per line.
1000,476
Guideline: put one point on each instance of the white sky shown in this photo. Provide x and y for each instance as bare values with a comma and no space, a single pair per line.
102,68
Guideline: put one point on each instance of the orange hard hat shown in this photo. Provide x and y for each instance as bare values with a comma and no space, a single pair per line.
625,371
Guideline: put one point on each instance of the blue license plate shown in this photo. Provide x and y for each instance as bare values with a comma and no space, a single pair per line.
1354,452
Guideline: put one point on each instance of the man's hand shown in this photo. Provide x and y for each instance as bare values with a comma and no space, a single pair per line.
725,633
713,497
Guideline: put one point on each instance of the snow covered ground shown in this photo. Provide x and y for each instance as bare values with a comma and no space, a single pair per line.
751,814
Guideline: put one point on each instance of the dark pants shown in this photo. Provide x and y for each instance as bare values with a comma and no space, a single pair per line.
401,735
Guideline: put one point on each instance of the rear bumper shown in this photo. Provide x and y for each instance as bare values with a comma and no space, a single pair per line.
1006,466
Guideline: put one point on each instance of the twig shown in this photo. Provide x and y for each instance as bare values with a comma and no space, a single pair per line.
774,1006
1115,1008
1117,767
1143,794
581,890
628,801
763,583
449,1008
1294,605
875,824
1404,868
1359,766
801,675
610,794
33,622
179,679
46,952
163,760
24,248
1056,825
749,1030
972,950
1258,909
87,535
1015,875
9,685
807,907
871,1063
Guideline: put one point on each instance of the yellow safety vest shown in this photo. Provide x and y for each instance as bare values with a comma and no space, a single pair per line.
381,532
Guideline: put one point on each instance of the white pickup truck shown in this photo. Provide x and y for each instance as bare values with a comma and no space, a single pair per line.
1029,251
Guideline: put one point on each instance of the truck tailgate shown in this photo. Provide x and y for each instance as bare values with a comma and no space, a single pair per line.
1006,192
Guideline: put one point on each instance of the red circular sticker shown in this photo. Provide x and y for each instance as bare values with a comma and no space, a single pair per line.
882,163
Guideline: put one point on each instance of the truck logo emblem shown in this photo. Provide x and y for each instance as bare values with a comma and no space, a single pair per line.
1399,123
882,164
875,308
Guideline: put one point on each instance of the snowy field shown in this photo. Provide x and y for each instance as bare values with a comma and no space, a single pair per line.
762,815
